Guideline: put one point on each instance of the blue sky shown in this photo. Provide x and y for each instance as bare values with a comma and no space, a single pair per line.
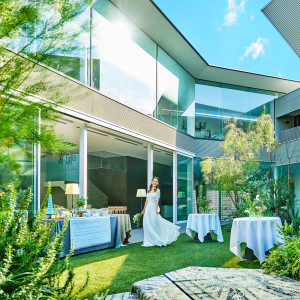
233,34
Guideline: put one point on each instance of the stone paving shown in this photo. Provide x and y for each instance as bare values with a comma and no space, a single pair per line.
213,283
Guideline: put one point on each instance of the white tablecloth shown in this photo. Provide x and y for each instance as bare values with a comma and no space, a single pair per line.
260,235
204,224
124,225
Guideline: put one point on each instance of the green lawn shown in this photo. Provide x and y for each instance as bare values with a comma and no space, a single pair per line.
118,269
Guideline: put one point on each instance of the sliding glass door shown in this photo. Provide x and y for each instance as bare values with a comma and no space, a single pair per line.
184,187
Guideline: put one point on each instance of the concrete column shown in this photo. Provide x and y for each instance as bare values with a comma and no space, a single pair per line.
83,162
174,187
149,165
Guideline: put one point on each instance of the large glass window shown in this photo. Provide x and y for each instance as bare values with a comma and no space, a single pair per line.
163,169
74,59
175,94
25,173
117,168
184,187
218,103
123,59
62,168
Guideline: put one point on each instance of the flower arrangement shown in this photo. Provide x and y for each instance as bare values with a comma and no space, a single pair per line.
254,209
204,204
137,219
81,201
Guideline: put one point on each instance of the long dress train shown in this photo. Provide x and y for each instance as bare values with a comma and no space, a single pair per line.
157,230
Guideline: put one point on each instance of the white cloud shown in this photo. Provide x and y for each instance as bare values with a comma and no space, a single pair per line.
255,48
233,12
252,17
279,74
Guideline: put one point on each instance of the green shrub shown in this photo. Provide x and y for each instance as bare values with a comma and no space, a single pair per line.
285,261
30,267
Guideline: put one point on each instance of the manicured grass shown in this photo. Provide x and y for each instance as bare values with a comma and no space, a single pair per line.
118,269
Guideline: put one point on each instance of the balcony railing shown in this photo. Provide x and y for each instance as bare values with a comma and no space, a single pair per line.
290,134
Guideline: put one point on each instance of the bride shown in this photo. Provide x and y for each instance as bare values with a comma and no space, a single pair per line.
157,230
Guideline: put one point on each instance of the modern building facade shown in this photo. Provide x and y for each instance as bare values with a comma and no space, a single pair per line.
144,102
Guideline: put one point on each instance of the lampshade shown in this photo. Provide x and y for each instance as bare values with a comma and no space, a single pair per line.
72,189
141,193
181,195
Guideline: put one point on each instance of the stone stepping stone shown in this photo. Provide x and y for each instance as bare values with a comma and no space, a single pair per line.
213,283
122,296
217,283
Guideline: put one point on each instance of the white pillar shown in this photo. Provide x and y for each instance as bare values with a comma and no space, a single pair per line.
37,169
149,165
190,186
174,187
83,163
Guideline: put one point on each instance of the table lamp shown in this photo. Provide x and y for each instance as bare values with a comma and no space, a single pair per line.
141,193
72,189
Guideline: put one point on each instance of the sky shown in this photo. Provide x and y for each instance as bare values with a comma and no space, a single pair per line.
233,34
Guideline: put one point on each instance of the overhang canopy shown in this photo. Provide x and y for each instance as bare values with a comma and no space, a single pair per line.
150,19
285,16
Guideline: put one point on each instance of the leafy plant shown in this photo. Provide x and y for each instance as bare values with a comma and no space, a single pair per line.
203,205
254,209
31,33
81,201
137,219
30,265
285,261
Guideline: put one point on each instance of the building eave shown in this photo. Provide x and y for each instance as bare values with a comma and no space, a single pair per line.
151,20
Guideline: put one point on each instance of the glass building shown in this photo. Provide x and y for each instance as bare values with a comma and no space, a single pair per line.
151,106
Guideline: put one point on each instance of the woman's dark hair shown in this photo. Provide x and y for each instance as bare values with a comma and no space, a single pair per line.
150,187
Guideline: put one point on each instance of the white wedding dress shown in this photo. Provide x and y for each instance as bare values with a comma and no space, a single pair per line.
157,230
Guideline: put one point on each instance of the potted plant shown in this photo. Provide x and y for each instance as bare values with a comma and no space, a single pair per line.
80,203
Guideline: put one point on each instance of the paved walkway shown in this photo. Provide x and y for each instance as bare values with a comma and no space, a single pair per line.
213,283
137,235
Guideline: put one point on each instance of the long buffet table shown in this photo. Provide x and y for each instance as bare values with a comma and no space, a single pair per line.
90,234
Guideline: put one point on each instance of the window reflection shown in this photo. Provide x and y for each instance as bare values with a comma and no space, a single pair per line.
215,105
175,94
124,59
184,187
75,63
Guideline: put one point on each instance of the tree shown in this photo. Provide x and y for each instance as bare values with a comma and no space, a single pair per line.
31,32
266,137
227,172
241,150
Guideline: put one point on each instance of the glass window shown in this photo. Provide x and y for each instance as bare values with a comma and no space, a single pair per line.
175,94
117,168
74,61
184,187
218,103
163,169
62,168
123,59
25,173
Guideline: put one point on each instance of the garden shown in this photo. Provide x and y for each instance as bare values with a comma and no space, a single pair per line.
31,266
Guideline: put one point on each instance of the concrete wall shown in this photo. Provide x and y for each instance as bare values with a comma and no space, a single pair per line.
287,103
